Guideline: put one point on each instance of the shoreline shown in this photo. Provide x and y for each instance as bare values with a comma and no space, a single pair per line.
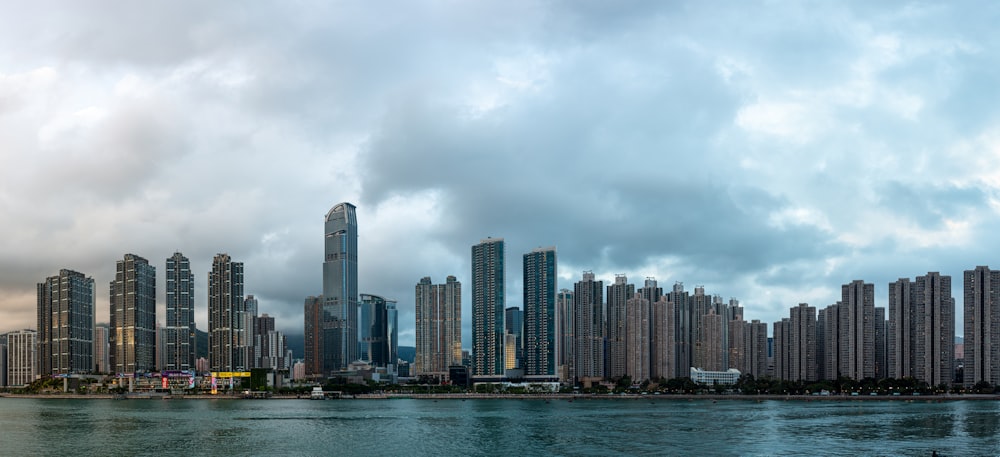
545,397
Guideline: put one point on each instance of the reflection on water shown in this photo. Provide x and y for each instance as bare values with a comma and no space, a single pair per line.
492,427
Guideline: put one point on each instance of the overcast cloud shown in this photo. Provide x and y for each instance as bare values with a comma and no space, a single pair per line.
770,151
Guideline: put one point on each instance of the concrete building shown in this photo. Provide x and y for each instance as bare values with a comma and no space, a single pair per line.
488,300
795,342
564,330
132,335
711,340
683,333
982,313
539,329
180,345
66,324
638,338
313,338
102,348
614,334
227,335
339,324
727,377
755,341
663,359
438,327
22,358
588,328
856,328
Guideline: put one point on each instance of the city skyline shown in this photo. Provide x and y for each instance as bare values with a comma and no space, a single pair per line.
767,151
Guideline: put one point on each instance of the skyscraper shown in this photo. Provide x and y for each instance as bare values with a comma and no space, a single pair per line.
226,316
564,313
66,324
180,328
313,336
374,323
663,357
340,289
392,334
982,315
857,330
638,337
540,286
588,328
617,295
438,329
488,299
250,351
132,337
513,324
795,345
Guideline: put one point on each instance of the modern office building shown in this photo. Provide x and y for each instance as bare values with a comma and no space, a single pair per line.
132,336
438,309
66,324
982,313
340,289
513,324
180,346
540,286
488,299
102,348
617,295
22,357
588,328
374,326
250,351
392,333
227,334
263,354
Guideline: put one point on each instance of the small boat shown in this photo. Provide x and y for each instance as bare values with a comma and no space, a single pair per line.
317,394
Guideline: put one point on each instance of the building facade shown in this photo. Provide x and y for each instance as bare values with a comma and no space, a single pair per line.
488,300
982,315
180,346
132,336
340,289
438,309
227,334
22,357
66,324
540,286
614,333
588,328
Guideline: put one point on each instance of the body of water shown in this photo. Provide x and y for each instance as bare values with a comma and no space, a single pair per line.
401,427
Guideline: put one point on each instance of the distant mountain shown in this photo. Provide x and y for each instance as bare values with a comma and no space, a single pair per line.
201,344
407,353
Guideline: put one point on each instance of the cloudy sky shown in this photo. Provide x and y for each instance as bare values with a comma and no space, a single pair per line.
770,151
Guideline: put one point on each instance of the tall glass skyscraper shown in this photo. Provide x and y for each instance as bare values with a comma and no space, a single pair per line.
488,307
180,329
132,338
66,324
226,307
340,289
540,285
374,330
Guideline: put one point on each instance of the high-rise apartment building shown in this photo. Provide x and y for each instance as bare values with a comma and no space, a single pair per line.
180,345
488,299
857,330
564,316
921,333
250,351
683,333
132,336
540,286
638,338
617,296
982,326
66,324
313,336
227,334
755,341
340,289
438,309
663,359
795,341
588,328
22,357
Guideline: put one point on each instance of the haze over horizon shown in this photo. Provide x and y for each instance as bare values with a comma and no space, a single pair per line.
770,151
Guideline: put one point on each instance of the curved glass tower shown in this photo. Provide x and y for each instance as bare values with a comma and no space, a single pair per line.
340,289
